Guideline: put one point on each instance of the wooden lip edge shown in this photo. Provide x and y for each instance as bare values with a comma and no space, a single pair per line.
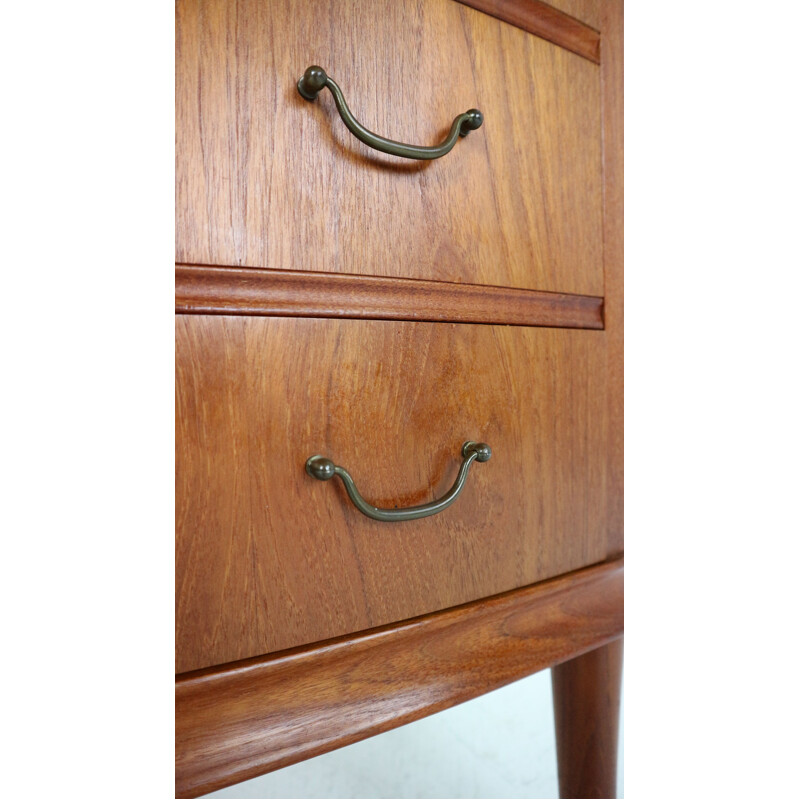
273,292
512,635
543,20
612,103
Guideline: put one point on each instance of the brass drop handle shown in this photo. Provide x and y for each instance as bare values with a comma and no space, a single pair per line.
315,79
324,469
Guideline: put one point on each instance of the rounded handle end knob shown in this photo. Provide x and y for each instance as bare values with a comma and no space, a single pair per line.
473,121
312,82
321,468
483,451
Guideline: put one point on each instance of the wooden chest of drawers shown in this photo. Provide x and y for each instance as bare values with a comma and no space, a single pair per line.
338,301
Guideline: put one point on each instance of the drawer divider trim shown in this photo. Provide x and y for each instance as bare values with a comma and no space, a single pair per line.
546,22
292,293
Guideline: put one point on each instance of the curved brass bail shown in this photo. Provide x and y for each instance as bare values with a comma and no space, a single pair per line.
323,469
315,79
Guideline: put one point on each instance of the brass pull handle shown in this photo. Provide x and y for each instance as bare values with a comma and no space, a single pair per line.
324,469
315,79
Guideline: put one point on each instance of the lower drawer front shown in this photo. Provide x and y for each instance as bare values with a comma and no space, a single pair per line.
269,558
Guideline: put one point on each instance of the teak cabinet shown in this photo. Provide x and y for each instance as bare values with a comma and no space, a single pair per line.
334,300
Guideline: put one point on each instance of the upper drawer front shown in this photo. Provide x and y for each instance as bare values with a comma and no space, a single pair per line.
267,179
269,558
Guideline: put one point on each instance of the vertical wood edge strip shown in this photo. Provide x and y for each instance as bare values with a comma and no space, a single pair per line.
241,720
611,93
268,292
545,21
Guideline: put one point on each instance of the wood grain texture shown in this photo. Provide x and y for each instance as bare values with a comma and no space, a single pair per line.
267,179
224,290
245,719
542,19
586,695
269,558
613,215
587,11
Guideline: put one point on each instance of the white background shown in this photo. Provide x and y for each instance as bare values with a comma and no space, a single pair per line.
86,183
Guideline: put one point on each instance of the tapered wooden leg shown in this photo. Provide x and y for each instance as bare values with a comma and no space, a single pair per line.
586,704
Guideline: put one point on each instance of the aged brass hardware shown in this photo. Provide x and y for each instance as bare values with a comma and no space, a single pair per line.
324,469
315,79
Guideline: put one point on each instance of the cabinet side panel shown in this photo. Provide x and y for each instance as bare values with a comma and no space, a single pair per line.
613,214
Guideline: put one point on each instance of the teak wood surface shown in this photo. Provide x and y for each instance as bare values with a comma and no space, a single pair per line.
546,21
587,11
290,293
268,179
586,695
245,719
613,252
269,558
